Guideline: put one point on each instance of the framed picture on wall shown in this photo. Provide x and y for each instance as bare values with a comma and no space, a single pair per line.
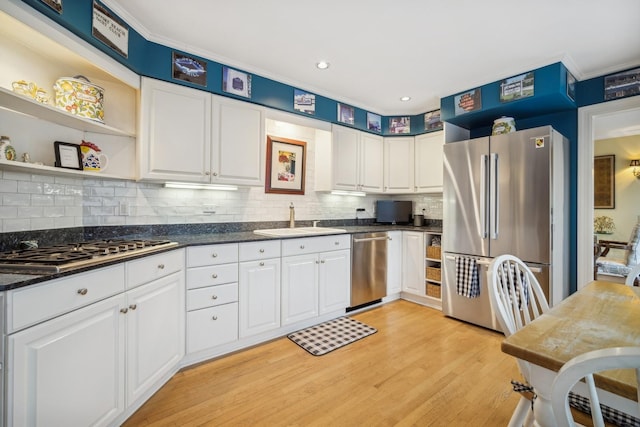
346,114
304,102
604,183
236,82
374,122
286,166
189,69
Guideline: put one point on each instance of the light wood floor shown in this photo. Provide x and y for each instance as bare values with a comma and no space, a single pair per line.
419,369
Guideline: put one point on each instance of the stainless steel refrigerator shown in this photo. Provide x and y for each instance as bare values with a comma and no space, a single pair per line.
505,194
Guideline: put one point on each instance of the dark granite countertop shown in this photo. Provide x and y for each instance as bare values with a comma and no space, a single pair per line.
10,281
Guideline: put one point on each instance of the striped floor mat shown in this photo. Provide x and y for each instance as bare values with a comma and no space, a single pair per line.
328,336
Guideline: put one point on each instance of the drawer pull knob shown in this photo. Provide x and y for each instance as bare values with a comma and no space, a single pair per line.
215,174
317,262
83,291
301,246
214,255
124,310
336,243
261,251
133,306
215,318
214,275
214,297
322,262
161,266
261,264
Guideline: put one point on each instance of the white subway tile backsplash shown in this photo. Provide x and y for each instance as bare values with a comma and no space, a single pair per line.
8,212
15,199
8,186
42,223
11,225
53,188
42,200
16,176
30,212
30,187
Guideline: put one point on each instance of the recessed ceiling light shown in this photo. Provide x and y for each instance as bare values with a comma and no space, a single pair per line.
405,98
323,65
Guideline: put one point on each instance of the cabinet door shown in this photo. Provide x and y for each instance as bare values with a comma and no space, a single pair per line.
371,163
155,332
211,327
259,296
429,162
239,140
334,279
413,262
175,132
345,143
299,288
69,371
394,262
398,165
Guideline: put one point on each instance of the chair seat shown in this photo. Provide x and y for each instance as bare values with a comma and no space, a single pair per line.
610,415
613,266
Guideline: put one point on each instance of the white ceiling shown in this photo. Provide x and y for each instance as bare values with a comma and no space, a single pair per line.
381,50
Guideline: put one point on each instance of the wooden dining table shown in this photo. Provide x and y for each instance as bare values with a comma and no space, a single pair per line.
600,315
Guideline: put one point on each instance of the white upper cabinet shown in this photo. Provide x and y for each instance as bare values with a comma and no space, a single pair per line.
175,132
190,135
356,160
429,162
399,165
238,143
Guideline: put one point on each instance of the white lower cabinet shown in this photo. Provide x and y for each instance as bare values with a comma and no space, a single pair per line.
212,296
86,367
299,288
316,276
413,267
69,371
394,262
155,332
259,296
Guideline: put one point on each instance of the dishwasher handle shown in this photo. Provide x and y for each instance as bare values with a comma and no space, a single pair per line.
369,239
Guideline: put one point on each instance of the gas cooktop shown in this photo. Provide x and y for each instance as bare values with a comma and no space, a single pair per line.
64,257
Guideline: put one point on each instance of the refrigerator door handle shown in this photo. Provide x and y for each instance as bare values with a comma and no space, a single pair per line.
484,218
495,196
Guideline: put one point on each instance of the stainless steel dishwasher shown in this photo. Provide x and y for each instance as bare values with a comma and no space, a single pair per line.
368,268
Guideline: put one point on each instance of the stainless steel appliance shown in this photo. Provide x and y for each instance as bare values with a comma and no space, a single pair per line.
368,267
60,258
505,194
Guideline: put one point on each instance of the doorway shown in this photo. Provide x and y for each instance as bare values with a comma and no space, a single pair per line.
622,115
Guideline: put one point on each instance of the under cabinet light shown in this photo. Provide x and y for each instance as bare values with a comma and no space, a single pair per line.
193,186
349,193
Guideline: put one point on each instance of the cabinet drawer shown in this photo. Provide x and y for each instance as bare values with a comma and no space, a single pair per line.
153,267
200,277
212,296
198,256
252,251
211,327
308,245
33,304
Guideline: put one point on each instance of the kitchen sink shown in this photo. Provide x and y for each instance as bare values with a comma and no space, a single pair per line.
299,231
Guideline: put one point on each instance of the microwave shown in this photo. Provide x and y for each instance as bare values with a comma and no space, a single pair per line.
393,212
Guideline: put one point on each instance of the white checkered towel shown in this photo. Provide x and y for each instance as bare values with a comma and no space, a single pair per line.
467,280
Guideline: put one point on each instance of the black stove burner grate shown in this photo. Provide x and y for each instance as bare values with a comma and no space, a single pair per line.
63,254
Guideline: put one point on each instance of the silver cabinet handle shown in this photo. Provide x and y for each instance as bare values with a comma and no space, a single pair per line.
322,262
301,246
161,266
214,318
214,255
133,306
83,291
261,251
336,243
317,262
207,173
215,174
261,264
214,297
214,275
124,310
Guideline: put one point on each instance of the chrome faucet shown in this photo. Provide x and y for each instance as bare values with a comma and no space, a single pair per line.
292,216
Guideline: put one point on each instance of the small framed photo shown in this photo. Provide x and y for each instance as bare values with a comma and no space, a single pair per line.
285,166
68,155
374,122
620,85
399,125
236,82
432,121
304,102
189,69
346,114
54,4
